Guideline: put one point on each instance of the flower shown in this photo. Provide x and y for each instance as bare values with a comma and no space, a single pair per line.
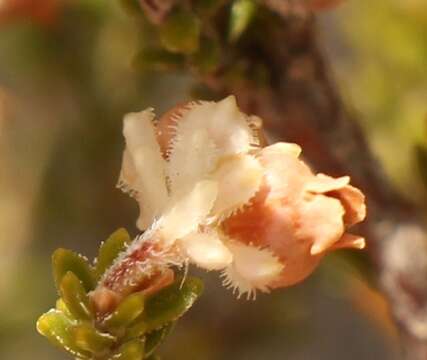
211,194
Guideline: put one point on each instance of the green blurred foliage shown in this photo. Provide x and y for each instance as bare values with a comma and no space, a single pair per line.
132,331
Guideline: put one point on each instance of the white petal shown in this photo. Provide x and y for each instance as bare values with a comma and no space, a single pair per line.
192,156
283,148
285,174
323,217
323,183
128,177
148,165
239,177
189,211
226,125
252,269
206,250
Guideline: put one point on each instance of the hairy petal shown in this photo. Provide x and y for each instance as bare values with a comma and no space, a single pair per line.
239,178
226,125
145,166
189,211
252,269
206,250
128,179
192,156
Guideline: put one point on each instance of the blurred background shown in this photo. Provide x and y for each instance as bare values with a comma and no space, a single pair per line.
65,82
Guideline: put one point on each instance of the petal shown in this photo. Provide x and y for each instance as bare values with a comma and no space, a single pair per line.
206,250
239,177
226,125
323,222
323,183
189,211
350,241
144,166
252,269
166,125
286,175
192,156
128,177
282,148
353,201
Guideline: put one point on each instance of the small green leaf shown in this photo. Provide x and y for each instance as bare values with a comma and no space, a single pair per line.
55,326
75,297
65,260
241,15
170,303
155,338
132,350
62,307
127,311
110,249
181,32
136,330
90,339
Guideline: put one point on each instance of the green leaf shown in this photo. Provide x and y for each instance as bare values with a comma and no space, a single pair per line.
241,15
155,338
62,307
170,303
110,249
136,330
90,339
56,327
132,350
127,311
157,60
75,297
65,260
181,32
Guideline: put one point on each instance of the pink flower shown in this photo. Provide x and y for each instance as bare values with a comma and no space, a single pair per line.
212,195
